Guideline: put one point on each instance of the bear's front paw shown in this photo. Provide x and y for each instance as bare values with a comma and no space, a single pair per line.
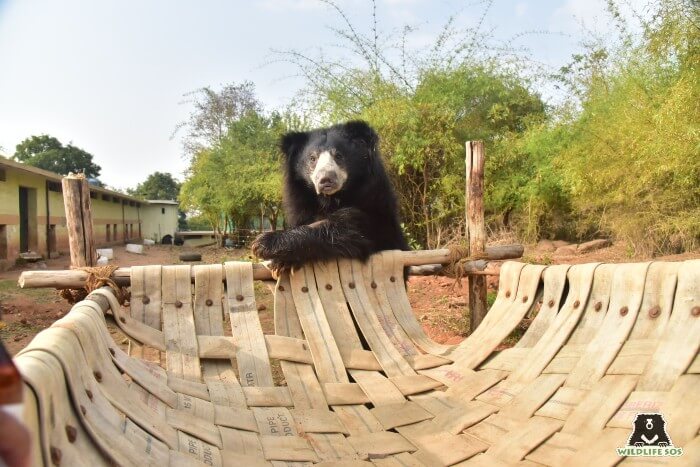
265,245
663,444
639,445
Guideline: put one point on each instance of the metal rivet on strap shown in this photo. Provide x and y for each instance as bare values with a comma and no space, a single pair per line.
576,304
305,289
239,297
178,304
145,300
695,311
351,285
280,288
374,285
329,287
122,319
113,352
525,299
56,455
89,393
654,311
598,306
392,279
209,302
71,433
624,310
82,410
508,294
550,303
97,375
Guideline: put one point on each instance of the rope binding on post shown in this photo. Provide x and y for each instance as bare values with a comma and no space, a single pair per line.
98,276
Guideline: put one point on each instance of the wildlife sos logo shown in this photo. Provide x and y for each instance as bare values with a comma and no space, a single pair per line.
649,438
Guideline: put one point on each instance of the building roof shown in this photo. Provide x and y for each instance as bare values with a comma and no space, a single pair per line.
4,161
161,201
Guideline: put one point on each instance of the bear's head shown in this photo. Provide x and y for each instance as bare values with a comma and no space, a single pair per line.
649,429
329,160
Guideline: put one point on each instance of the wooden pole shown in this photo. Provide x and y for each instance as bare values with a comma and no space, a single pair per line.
476,228
74,279
81,240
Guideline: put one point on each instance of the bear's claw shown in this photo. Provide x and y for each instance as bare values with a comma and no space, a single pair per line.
264,245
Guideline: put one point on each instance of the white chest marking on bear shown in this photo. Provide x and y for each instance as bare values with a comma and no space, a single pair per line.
328,177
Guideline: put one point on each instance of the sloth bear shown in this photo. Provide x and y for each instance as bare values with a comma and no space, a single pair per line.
338,199
649,430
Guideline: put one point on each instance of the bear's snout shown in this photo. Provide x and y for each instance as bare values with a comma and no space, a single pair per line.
328,177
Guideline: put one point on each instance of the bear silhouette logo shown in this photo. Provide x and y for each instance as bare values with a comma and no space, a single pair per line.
649,430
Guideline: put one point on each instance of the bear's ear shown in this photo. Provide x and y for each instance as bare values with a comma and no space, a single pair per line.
360,130
293,142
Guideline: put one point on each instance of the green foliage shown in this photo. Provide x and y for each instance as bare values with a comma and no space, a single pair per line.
158,185
239,179
626,163
634,163
619,158
48,153
424,108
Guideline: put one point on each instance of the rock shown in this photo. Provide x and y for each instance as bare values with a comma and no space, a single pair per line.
545,246
106,253
594,245
134,248
102,260
565,250
148,241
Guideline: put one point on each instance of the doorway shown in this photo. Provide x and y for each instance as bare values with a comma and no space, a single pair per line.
27,219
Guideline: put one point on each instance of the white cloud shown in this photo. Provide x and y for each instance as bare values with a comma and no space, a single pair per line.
520,9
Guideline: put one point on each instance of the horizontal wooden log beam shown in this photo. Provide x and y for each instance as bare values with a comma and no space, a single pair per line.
75,278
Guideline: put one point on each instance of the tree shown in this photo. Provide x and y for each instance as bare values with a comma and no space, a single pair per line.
214,111
47,152
425,104
238,179
158,185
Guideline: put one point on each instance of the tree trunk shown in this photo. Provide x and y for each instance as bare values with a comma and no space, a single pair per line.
81,240
476,228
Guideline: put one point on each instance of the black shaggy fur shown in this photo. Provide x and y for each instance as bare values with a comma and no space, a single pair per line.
360,219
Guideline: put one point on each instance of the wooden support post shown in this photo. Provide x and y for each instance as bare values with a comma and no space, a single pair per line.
476,228
76,198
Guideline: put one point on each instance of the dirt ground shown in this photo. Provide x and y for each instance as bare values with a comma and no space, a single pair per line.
439,303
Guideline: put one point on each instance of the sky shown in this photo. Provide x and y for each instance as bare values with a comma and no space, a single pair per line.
109,76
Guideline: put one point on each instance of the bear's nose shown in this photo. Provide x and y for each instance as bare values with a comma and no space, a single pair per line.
328,177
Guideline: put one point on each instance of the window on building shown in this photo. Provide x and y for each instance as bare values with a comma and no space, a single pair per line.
116,232
55,187
3,242
162,210
108,232
3,175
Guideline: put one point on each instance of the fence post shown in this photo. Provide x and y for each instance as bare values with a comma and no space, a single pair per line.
476,229
76,199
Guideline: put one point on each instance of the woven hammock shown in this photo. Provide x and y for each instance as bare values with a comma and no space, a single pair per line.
360,382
